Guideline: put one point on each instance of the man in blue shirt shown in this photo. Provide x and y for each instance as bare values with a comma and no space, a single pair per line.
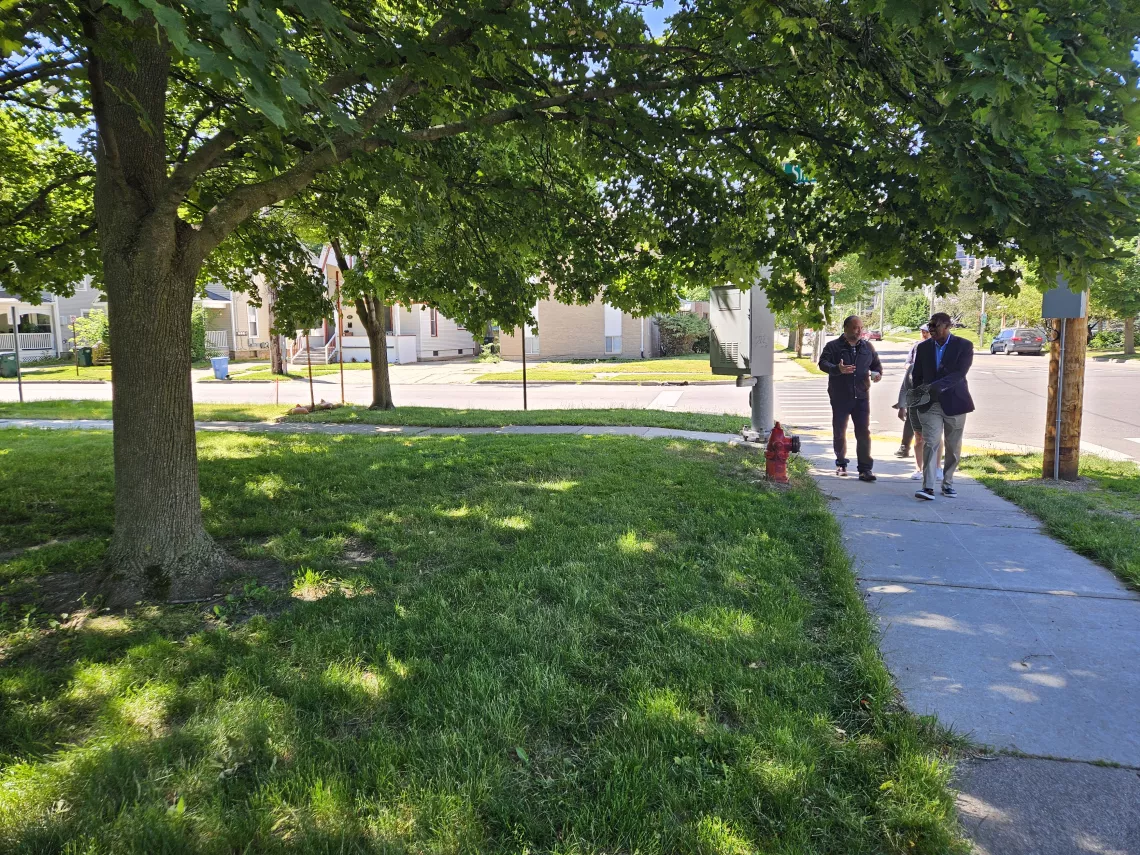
941,364
851,365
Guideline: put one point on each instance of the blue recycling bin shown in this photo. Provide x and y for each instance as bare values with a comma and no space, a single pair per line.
221,367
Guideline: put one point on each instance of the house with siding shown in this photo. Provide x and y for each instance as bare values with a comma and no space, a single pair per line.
414,333
593,331
235,326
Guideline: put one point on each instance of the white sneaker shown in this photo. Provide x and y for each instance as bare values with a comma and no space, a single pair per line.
939,473
916,475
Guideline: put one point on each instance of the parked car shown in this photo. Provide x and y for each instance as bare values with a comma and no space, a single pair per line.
875,335
1020,340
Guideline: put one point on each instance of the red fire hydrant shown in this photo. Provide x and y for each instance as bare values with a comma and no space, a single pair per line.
780,448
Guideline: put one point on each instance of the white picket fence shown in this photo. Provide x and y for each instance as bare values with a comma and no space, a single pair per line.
217,342
32,345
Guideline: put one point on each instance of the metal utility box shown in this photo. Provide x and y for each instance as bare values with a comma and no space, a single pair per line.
1061,302
729,344
743,329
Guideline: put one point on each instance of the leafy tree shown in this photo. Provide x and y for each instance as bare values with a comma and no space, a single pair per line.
92,330
198,350
913,313
1116,291
922,126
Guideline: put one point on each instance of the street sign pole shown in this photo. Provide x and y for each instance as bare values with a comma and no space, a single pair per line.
1068,308
19,368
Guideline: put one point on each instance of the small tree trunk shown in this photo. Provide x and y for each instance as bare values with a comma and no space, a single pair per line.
791,336
371,312
1130,335
159,547
800,341
276,357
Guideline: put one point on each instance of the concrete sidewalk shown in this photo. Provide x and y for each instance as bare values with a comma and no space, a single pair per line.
1011,639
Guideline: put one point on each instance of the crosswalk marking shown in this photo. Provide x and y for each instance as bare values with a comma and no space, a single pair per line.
1133,438
665,400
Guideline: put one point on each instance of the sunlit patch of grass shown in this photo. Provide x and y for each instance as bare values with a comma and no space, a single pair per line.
630,543
681,668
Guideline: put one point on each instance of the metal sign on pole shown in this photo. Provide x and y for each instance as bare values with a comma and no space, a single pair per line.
1062,304
524,364
19,368
340,335
74,343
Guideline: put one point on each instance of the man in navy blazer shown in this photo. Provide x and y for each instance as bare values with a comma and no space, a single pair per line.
941,364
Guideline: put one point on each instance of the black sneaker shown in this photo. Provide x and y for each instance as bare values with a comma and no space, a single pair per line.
903,452
948,491
841,471
927,494
869,477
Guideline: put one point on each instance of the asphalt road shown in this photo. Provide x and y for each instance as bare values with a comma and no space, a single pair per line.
1010,393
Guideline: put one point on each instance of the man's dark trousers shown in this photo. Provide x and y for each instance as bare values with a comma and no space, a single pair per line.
859,411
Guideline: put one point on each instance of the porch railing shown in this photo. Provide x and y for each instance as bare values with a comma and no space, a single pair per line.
217,341
330,348
28,341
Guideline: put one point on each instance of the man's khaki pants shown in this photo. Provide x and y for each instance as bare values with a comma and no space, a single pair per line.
935,423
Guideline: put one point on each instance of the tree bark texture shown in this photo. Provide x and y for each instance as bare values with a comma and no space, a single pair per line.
1073,393
1129,335
371,313
800,341
791,336
159,547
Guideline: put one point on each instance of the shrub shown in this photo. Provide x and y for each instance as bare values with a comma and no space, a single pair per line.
198,333
93,330
1107,340
681,332
913,313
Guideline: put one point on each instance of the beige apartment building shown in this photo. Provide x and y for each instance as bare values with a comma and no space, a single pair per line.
594,331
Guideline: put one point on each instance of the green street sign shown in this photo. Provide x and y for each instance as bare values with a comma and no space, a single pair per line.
798,171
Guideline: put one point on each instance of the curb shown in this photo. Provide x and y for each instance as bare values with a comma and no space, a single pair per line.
604,383
53,382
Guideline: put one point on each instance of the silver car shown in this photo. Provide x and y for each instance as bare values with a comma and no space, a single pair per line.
1020,340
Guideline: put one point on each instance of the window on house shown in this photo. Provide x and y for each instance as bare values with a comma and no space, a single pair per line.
34,322
532,345
388,319
460,326
434,323
252,316
613,344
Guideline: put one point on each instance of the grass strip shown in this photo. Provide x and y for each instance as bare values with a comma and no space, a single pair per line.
546,644
1098,516
409,416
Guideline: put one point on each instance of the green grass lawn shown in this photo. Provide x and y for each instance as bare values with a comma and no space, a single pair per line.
483,644
692,369
62,373
1098,517
1106,355
414,416
296,372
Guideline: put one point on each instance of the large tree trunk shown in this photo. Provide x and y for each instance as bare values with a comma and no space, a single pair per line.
276,357
1130,335
371,312
159,546
791,336
800,341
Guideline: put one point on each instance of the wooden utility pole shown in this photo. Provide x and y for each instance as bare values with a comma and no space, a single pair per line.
1067,379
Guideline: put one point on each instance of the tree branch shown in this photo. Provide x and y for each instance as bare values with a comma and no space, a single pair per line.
36,204
17,77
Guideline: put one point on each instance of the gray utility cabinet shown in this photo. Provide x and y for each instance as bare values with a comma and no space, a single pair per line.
743,329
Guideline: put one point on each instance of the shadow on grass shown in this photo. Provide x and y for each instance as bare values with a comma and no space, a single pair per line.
557,643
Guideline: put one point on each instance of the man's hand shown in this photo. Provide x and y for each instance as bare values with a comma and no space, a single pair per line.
876,376
844,368
902,414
